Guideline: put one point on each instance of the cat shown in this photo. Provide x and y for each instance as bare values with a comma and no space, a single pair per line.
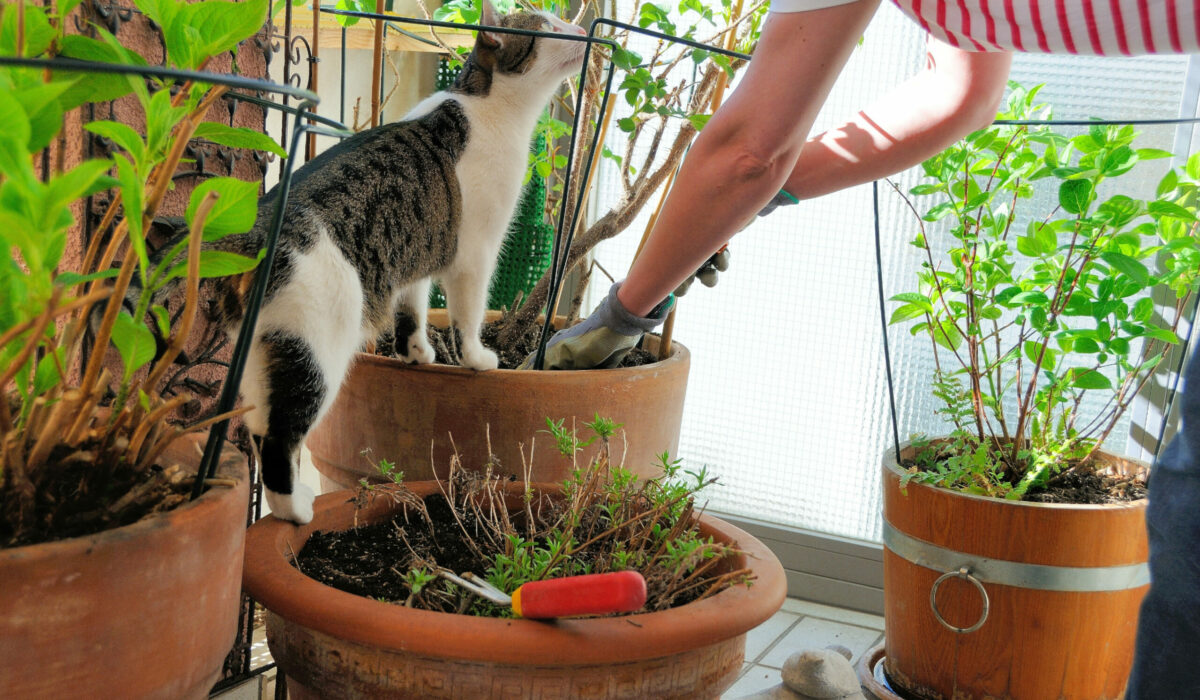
372,221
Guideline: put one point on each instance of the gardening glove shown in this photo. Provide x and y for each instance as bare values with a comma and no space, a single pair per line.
603,339
707,274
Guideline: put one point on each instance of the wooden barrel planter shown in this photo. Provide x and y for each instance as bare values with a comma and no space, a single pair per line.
407,414
148,610
331,644
1035,600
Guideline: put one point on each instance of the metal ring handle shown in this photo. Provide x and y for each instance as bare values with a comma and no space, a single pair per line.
964,574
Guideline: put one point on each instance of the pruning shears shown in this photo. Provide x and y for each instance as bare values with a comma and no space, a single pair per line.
589,594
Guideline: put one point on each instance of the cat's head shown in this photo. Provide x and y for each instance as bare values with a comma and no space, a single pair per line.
529,59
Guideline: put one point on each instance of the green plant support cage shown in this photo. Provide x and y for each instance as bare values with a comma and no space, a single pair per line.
527,247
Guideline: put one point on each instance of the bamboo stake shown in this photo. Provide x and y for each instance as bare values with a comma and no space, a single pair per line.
376,65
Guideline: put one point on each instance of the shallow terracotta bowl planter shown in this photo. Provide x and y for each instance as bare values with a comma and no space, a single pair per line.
407,414
333,644
148,610
1063,584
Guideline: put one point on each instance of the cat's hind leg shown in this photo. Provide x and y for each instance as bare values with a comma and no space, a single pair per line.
296,389
411,307
307,337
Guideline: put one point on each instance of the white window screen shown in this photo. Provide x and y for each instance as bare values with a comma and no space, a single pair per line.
787,400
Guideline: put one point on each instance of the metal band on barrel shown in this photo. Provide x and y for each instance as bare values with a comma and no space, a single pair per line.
1075,579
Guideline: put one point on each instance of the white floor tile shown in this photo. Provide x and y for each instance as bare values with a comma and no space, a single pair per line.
760,638
752,681
814,633
828,612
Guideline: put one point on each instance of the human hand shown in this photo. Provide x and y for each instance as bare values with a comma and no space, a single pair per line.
707,274
602,339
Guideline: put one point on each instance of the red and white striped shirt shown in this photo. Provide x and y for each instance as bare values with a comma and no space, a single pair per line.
1098,27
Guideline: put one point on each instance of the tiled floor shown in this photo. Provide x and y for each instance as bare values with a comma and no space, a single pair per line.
799,625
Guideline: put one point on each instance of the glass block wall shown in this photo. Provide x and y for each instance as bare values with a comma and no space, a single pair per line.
787,401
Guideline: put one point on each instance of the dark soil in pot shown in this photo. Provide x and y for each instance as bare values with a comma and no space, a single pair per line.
78,497
511,354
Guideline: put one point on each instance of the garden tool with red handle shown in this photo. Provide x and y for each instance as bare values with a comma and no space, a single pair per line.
590,594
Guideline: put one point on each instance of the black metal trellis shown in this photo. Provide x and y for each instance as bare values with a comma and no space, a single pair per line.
1184,342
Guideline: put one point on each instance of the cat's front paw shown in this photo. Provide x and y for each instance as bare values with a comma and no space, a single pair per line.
420,352
479,358
296,506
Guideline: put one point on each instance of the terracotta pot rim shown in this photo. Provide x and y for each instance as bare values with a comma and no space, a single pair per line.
892,467
231,466
679,354
283,590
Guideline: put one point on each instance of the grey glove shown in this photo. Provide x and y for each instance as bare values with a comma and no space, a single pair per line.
603,339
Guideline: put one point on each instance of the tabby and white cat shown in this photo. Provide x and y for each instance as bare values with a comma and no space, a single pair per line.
372,220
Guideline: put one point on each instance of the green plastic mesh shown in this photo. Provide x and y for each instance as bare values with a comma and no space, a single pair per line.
527,247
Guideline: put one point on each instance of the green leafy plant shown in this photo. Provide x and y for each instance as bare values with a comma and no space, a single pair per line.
1026,320
603,518
54,418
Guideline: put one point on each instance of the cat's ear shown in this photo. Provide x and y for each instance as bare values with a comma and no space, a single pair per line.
488,16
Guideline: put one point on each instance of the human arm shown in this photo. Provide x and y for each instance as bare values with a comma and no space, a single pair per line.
958,92
742,158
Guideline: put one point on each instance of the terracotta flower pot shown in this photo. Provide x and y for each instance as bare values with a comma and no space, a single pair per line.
408,413
1063,586
148,610
332,644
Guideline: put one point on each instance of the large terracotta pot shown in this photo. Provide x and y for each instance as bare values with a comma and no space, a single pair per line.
1063,586
408,414
148,610
332,644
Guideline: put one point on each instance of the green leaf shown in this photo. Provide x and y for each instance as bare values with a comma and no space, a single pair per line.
1143,310
70,279
87,178
1030,298
238,137
946,334
95,87
1133,269
1193,166
1089,379
907,312
134,342
1086,346
14,137
625,59
45,114
202,30
47,375
234,211
218,263
132,196
699,121
37,36
1152,153
124,136
1164,208
1075,195
162,318
1162,334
